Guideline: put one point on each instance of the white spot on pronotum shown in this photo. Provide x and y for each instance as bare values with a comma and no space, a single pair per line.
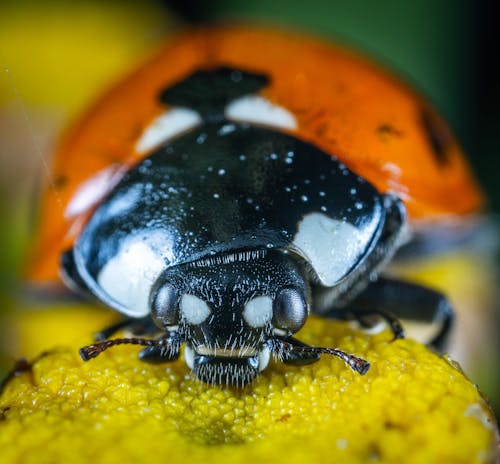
258,311
332,247
193,309
166,126
92,191
257,109
129,276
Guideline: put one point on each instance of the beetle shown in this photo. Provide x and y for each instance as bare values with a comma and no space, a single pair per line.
241,180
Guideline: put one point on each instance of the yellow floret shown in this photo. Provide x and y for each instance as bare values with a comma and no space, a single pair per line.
412,406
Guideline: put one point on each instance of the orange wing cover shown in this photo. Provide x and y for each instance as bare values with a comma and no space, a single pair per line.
343,104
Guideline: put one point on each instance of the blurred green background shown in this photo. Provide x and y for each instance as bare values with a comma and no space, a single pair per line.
57,56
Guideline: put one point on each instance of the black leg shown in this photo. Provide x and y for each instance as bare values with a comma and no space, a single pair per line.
368,318
295,358
168,350
291,351
158,355
142,326
395,299
168,347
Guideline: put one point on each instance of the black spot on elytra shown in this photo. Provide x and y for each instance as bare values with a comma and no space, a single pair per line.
437,134
387,129
60,181
209,91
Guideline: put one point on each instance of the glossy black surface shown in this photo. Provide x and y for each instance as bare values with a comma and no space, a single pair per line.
222,188
209,91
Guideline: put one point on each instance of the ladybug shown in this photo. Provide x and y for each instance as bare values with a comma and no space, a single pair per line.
241,180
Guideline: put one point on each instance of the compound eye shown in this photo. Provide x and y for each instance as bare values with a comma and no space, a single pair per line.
165,306
289,310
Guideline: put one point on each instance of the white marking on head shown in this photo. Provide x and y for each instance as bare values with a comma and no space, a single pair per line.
332,247
129,276
258,311
193,309
167,126
244,351
257,109
264,357
280,332
189,356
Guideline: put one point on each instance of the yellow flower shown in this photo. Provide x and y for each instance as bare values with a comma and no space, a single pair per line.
412,406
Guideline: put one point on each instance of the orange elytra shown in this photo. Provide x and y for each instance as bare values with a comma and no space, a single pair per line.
343,104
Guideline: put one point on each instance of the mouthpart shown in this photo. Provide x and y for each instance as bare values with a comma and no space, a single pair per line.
232,367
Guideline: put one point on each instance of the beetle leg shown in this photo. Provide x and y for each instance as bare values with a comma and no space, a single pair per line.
158,354
296,358
291,351
169,346
142,326
396,299
368,318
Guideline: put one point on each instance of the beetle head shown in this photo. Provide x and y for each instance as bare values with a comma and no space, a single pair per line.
228,308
